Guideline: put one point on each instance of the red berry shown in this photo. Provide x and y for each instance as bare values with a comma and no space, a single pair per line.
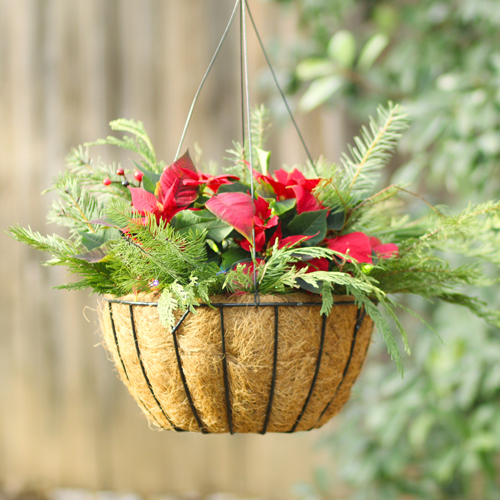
106,181
138,175
120,171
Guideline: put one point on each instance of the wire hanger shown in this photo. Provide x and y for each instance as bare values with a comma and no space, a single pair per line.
243,8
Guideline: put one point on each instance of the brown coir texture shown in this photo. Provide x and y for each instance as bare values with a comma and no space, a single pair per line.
147,363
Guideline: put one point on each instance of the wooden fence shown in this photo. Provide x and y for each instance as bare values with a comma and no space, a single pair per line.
67,67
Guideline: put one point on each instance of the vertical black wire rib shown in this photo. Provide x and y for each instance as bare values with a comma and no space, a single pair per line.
359,322
183,376
138,351
275,365
316,373
261,43
117,345
226,375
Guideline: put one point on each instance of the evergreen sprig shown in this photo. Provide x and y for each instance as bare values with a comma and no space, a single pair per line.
76,207
359,169
139,142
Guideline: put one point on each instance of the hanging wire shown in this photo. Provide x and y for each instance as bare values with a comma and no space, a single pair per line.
279,88
246,124
244,49
242,79
195,100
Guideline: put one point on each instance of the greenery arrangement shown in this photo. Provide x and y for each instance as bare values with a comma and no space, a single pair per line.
187,236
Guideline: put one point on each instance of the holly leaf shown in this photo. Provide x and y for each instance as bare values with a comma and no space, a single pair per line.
309,224
237,209
187,220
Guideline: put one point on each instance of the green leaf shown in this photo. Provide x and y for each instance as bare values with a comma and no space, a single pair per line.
320,91
201,200
342,48
235,187
150,179
264,159
312,68
309,286
372,50
335,220
96,255
94,240
188,220
281,207
309,224
231,257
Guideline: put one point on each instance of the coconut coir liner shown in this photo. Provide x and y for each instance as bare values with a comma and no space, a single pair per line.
157,386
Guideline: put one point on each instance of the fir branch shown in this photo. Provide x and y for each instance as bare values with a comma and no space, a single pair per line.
139,143
260,125
476,306
60,248
358,172
372,150
76,207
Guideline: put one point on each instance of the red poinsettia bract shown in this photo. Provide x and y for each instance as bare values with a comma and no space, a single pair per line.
262,220
172,194
361,247
288,185
237,209
212,182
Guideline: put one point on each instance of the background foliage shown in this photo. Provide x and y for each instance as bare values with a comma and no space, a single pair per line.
433,434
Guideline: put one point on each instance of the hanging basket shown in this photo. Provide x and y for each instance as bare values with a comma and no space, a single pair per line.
238,366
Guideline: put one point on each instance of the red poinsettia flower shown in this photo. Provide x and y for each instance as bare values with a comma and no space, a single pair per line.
212,182
361,247
293,184
262,220
172,195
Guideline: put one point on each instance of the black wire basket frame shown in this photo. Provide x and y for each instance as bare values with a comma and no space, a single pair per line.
361,314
